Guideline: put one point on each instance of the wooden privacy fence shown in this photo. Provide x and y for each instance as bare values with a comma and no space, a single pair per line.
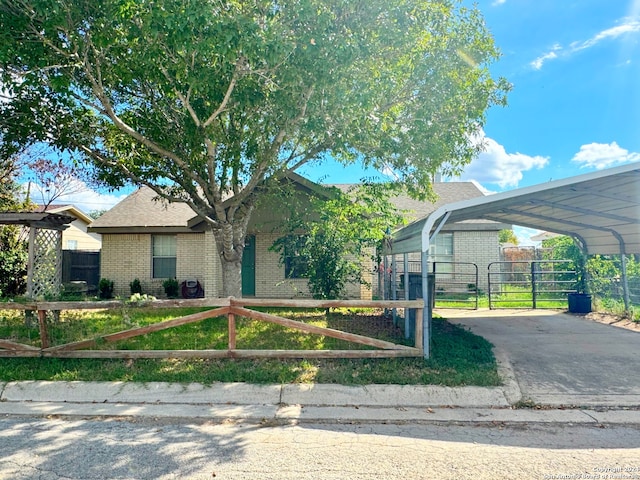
229,307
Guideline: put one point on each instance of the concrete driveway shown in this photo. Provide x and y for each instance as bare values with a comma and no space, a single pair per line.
561,359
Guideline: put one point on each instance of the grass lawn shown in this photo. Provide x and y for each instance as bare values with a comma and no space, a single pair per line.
457,356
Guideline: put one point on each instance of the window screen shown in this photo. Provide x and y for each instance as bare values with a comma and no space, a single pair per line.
164,256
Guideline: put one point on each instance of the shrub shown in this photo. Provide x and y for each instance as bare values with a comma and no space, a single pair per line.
105,288
135,286
171,287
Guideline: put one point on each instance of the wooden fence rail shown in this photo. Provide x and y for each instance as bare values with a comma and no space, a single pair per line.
229,307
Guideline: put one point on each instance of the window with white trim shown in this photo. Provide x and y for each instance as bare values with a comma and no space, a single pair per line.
441,251
163,253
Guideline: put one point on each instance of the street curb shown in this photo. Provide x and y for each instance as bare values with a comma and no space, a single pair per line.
298,414
248,394
511,388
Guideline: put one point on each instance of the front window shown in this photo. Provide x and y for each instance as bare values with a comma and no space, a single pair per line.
164,256
295,264
72,244
441,252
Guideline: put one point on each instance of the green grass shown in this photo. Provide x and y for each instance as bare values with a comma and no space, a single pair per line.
458,357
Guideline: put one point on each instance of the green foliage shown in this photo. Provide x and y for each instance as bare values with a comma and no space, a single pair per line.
341,237
135,286
201,99
507,236
13,262
171,287
14,250
105,288
565,248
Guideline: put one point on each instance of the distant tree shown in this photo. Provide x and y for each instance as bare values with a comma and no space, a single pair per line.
337,239
565,248
13,248
53,179
507,236
206,102
96,213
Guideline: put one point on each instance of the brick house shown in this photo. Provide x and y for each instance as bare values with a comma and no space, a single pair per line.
150,240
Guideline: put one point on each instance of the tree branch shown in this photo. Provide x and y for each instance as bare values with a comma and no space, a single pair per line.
240,67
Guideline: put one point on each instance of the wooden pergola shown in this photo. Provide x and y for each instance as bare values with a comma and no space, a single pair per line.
44,267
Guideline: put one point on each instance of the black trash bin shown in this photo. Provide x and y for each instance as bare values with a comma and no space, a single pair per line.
579,302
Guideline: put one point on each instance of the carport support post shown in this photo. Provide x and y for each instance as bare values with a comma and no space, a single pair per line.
407,316
426,311
625,283
394,287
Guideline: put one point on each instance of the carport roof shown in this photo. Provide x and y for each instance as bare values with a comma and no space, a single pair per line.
600,209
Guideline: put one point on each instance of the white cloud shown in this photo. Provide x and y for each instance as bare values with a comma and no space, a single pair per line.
538,62
627,26
524,235
495,165
630,26
603,155
498,2
83,197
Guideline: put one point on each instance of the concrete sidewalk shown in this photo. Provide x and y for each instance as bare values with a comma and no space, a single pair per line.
287,403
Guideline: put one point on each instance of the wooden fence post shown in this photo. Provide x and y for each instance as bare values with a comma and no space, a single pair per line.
44,332
232,331
418,329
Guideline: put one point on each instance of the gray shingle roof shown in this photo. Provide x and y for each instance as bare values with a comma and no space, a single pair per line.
140,211
447,192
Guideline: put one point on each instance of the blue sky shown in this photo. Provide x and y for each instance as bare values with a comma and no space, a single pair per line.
575,103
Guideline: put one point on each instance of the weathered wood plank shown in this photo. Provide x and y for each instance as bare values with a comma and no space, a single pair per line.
124,354
419,332
17,306
232,331
135,332
20,353
44,332
308,303
9,345
106,304
329,332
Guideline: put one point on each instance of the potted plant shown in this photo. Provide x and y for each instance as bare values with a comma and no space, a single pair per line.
580,300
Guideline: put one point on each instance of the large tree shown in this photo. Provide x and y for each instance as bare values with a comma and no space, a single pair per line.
208,102
13,248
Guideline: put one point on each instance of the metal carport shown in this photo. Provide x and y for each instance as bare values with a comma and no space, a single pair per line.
600,210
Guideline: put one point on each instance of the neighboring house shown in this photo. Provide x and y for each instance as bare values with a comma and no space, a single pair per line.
151,240
76,237
469,242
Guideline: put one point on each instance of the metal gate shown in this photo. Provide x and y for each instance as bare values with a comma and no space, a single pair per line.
456,283
531,284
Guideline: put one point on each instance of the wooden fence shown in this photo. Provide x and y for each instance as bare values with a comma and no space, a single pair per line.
229,307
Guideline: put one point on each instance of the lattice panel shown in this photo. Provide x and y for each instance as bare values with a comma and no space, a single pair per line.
47,263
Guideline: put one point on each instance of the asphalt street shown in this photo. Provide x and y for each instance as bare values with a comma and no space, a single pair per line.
159,450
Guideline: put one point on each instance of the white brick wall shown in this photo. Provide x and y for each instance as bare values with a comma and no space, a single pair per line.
480,248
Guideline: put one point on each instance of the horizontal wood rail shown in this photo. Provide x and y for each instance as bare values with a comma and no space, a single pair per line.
230,307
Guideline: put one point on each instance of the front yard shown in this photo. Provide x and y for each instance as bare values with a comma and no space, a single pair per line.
457,356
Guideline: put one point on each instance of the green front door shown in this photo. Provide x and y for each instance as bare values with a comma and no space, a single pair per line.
249,267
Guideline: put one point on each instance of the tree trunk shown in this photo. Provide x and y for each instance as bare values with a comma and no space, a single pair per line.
230,244
231,277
